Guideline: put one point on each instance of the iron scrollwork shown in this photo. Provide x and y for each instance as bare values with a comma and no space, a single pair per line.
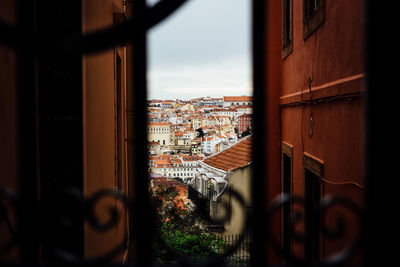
64,220
336,232
114,216
93,41
8,204
91,215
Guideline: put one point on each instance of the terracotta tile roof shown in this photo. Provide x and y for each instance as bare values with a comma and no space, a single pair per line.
235,157
191,158
245,115
154,143
238,98
176,161
158,124
161,162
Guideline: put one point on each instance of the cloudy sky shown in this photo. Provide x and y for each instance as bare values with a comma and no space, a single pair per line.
202,50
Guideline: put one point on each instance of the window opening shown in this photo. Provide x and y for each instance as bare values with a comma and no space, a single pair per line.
211,181
287,152
119,123
199,73
313,216
313,172
313,16
287,28
311,7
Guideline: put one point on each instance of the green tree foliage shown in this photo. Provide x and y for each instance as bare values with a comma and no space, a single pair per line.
200,132
179,179
183,232
246,133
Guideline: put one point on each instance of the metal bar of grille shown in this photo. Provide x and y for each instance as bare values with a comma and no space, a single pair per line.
142,209
28,140
381,223
91,42
258,188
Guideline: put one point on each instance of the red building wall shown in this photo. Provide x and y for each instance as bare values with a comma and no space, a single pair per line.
321,78
244,122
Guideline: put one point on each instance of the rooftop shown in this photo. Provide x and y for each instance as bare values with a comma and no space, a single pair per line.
158,124
238,98
237,156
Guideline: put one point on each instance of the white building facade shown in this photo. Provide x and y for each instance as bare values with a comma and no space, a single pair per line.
159,132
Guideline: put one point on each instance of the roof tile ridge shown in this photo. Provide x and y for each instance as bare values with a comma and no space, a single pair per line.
243,139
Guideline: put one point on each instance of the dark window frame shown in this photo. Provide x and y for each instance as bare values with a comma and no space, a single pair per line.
313,171
286,154
119,124
287,28
313,16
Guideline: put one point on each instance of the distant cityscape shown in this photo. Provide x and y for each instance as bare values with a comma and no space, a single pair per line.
181,133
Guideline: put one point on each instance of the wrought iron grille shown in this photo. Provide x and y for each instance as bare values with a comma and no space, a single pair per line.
39,230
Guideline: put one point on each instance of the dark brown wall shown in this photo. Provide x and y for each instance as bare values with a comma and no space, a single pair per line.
8,116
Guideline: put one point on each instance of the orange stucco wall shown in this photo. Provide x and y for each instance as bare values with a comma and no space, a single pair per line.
99,112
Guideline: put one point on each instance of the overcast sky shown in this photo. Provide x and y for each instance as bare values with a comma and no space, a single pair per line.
201,50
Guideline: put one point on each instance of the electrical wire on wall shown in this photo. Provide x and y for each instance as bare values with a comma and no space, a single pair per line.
349,182
310,80
312,103
308,83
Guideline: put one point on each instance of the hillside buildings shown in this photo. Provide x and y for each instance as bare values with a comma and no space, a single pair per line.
181,133
160,133
237,101
218,176
245,122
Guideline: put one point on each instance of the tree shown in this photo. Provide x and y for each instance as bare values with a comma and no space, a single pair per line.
247,132
183,232
179,179
200,132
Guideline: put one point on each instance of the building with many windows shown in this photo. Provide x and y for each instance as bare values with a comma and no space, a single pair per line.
159,132
182,166
237,101
244,123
